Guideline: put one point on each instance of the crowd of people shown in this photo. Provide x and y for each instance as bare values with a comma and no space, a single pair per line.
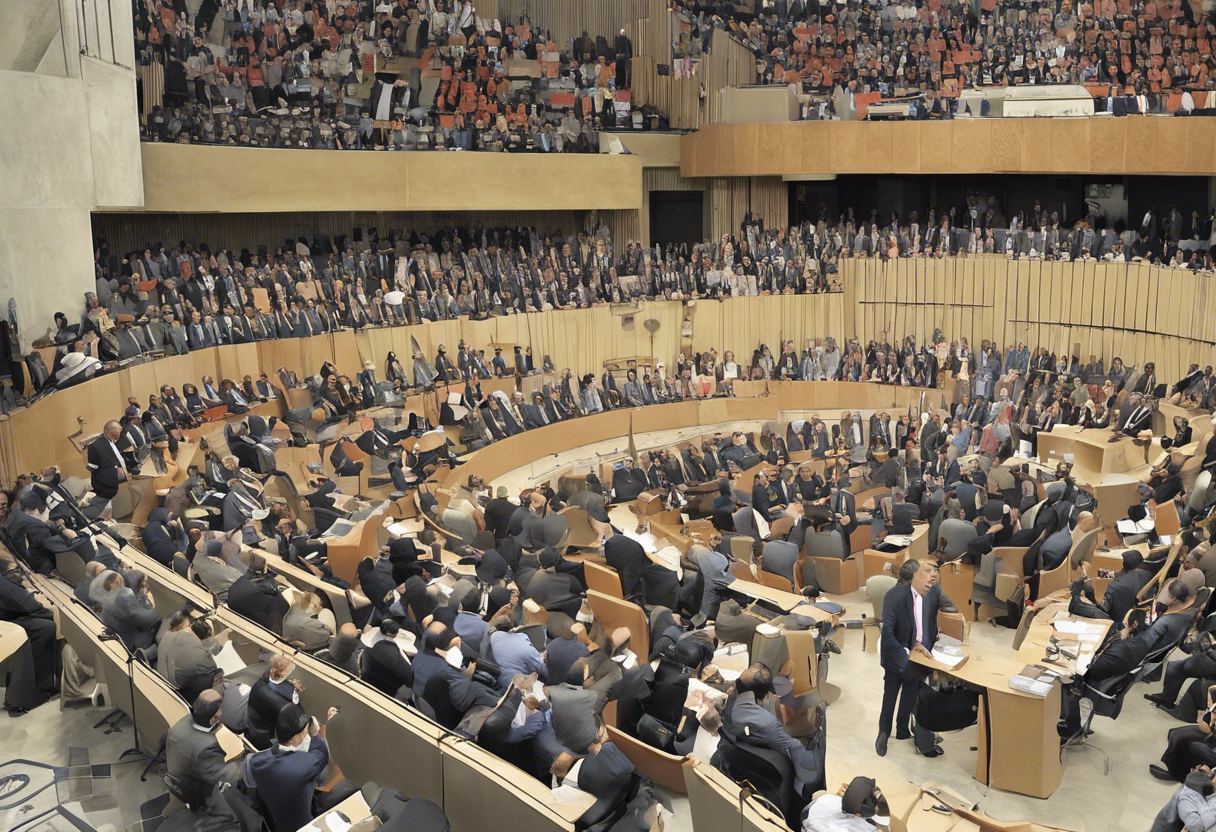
909,48
404,75
457,653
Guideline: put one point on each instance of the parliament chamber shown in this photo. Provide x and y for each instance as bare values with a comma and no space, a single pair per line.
607,416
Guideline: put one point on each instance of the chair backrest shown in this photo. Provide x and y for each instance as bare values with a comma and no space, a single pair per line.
741,547
70,566
1083,547
768,772
877,588
602,579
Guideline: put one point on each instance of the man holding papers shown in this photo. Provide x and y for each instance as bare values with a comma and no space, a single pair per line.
909,624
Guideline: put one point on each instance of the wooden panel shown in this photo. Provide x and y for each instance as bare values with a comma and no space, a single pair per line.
970,144
935,144
1069,143
1100,145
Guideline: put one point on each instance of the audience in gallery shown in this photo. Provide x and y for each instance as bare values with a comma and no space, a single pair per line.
177,299
352,75
911,48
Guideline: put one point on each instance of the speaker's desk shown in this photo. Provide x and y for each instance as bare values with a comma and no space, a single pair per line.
1092,449
1019,748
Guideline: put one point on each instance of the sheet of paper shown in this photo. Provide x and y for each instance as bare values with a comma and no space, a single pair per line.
948,659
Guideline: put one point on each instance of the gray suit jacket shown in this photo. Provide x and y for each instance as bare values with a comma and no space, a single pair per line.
216,575
190,752
753,724
573,716
182,658
127,617
306,629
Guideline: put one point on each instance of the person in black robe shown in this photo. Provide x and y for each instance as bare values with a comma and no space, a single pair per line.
31,670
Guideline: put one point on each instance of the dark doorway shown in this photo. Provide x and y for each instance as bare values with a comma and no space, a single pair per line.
676,217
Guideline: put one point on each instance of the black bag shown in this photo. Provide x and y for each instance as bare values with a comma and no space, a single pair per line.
946,708
655,733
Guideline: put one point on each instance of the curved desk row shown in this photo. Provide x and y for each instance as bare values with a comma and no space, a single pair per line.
377,738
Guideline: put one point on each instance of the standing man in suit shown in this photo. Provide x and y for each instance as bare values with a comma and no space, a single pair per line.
106,466
909,625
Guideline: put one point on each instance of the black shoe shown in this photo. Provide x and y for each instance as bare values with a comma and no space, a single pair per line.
1159,772
1160,700
903,735
831,646
936,751
880,744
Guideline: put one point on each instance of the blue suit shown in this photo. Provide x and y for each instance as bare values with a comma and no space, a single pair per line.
286,781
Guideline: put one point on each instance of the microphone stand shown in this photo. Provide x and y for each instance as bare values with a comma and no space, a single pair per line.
95,526
111,720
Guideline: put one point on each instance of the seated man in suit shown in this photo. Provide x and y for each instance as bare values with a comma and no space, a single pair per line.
894,516
31,670
746,720
194,758
1136,417
130,620
384,664
909,625
269,695
182,658
38,541
258,597
1126,647
288,774
534,414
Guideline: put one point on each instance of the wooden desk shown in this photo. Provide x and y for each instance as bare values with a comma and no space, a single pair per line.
1091,449
12,636
787,602
876,562
346,550
1019,749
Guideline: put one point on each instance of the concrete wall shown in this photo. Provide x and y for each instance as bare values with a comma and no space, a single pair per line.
68,145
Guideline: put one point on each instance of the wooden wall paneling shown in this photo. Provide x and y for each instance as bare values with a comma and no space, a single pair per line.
1107,145
1199,147
905,147
1114,278
1087,280
1022,270
1069,143
1142,136
847,147
880,147
1171,146
971,144
1133,145
1157,319
935,146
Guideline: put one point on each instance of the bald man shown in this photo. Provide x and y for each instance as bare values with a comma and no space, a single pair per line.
107,467
194,758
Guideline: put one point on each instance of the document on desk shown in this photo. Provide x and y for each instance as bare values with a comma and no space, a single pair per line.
950,660
1077,628
228,661
899,540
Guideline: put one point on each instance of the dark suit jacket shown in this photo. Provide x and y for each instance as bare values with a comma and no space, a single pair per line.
104,466
258,598
899,625
265,702
385,669
1120,596
286,781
